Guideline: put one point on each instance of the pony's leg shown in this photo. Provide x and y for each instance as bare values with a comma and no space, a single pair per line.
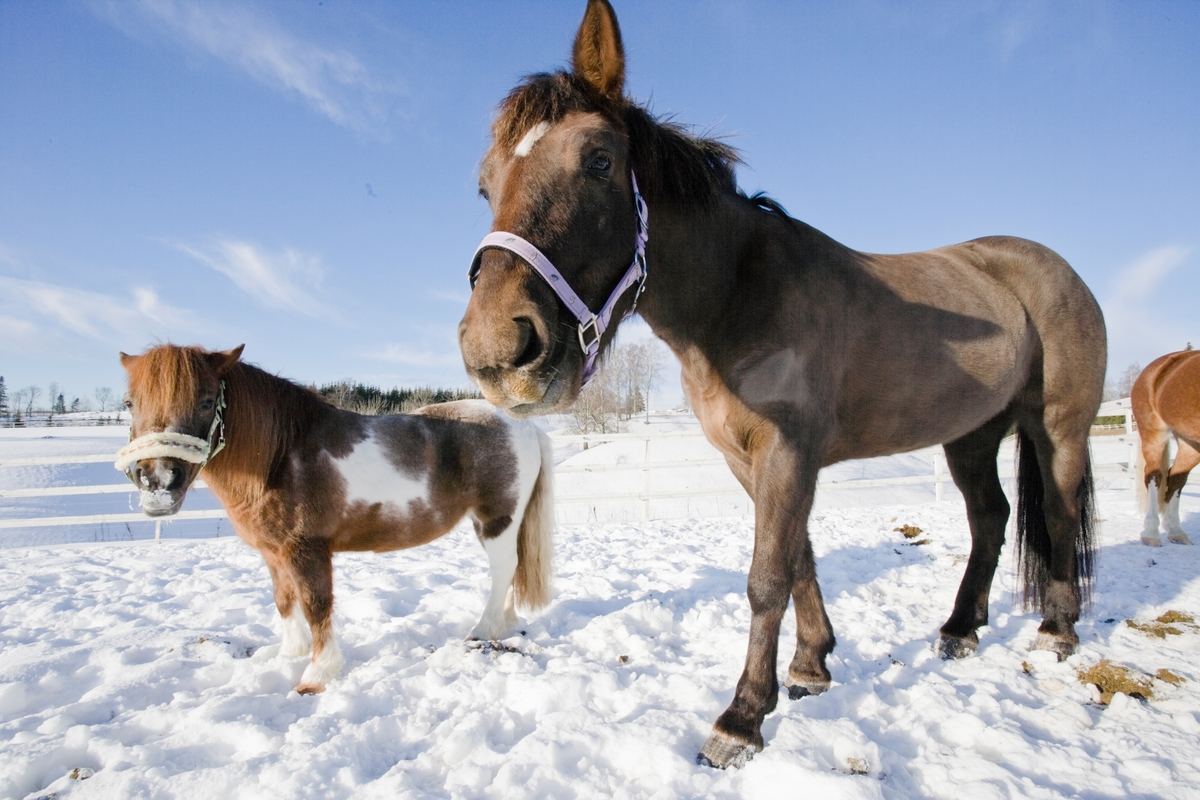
499,616
972,462
1150,536
297,638
785,484
1185,461
312,561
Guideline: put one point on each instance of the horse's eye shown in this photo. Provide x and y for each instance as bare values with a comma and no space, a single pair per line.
600,163
128,404
483,193
206,405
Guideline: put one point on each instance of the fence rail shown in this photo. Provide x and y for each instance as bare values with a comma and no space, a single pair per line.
938,478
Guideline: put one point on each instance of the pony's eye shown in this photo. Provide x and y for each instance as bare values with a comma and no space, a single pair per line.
206,405
600,163
128,404
483,193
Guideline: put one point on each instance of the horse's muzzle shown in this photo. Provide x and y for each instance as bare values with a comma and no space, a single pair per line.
162,484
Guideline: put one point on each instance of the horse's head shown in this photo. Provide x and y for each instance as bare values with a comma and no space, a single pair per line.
558,175
174,399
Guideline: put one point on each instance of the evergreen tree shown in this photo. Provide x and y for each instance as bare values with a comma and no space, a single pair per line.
60,407
3,398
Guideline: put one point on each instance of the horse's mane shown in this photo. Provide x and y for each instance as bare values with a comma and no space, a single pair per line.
672,164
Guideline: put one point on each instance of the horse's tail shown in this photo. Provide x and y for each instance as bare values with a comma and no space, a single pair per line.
535,547
1033,535
1139,478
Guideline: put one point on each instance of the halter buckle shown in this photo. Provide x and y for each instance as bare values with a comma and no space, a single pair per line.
594,326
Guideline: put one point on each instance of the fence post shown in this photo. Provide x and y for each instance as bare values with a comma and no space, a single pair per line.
158,530
937,476
646,480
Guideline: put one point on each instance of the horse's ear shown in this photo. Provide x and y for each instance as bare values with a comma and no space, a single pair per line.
127,361
599,56
222,361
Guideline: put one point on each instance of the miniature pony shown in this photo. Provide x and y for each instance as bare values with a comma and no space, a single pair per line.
302,479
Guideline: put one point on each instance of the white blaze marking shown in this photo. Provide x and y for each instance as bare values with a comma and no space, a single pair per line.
371,477
530,139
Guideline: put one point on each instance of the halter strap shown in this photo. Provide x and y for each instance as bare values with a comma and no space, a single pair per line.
591,326
167,444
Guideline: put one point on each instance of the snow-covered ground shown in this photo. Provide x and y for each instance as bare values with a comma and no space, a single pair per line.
154,667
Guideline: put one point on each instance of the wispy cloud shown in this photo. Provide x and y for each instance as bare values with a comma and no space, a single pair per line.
93,315
332,82
1138,330
415,357
280,280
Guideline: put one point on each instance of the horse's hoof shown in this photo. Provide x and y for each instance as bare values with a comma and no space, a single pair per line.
1151,540
310,688
797,689
1058,645
1178,537
955,647
723,751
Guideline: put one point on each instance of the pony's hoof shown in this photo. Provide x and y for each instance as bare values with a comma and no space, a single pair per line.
1178,537
723,751
797,688
955,647
1151,539
1058,645
310,688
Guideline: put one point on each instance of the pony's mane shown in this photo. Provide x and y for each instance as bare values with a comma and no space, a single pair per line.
265,412
672,164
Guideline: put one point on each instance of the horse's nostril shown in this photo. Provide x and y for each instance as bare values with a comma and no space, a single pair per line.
176,478
529,344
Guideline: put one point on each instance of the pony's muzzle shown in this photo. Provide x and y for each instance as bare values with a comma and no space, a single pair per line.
162,484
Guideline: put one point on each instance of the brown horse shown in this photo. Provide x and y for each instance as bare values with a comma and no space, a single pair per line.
302,480
797,351
1166,404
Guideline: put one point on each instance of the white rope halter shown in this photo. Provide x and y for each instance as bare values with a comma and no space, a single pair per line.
168,444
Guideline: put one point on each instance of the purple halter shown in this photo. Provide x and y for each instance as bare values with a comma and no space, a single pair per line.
591,326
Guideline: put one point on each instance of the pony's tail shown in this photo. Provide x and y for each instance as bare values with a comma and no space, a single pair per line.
1033,535
1139,478
535,545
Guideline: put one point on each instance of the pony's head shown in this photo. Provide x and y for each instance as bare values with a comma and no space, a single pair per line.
557,175
174,399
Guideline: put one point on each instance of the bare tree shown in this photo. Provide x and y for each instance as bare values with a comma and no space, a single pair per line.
32,393
646,364
1127,379
103,396
596,410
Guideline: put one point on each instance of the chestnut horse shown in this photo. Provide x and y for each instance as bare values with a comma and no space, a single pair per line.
1166,404
302,479
797,351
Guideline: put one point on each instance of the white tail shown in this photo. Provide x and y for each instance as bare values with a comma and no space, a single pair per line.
535,545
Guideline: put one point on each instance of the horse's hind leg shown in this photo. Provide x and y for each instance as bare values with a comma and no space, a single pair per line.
1185,461
972,462
1057,537
499,616
312,562
807,673
1154,438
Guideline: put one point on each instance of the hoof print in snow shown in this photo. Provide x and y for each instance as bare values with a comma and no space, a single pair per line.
725,752
955,647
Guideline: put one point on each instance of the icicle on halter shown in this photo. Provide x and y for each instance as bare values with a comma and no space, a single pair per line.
165,444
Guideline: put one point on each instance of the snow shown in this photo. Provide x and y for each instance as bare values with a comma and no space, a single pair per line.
156,667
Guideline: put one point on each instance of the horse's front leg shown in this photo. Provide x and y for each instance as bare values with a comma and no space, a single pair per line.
784,486
1186,460
297,637
312,564
499,539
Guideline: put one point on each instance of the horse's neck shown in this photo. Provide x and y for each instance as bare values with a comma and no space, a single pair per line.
264,418
692,263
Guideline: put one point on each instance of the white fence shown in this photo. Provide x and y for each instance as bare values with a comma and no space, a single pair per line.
641,498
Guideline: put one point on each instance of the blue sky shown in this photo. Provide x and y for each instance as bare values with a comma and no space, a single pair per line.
301,176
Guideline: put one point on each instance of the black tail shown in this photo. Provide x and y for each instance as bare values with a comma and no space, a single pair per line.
1033,536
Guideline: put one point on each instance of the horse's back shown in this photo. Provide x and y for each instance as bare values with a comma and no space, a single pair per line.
1169,390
